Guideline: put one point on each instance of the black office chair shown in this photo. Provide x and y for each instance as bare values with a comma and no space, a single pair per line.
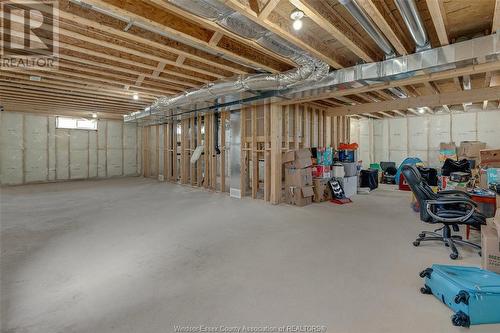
389,171
450,208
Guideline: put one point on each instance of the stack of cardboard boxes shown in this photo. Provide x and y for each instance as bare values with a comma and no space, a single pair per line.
490,243
298,177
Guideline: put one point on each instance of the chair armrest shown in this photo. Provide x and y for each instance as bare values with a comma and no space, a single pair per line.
455,199
450,201
446,192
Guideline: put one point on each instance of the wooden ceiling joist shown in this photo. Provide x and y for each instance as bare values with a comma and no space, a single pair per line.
466,96
374,13
175,27
69,86
438,16
311,46
319,18
496,17
268,8
113,30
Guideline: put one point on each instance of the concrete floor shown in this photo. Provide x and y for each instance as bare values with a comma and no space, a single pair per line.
136,255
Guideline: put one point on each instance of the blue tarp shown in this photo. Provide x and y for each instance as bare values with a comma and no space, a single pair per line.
410,161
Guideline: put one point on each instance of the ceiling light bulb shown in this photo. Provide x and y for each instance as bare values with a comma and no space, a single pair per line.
136,97
297,25
94,115
421,110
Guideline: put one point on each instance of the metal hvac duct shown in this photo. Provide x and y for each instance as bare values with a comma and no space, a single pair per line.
414,23
309,68
371,28
458,55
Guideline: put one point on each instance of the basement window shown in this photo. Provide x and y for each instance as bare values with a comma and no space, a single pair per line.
76,123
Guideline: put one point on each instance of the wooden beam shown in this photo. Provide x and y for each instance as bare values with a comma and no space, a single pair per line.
466,96
187,51
496,17
438,16
215,39
312,46
207,24
136,11
276,142
268,8
371,9
386,114
348,41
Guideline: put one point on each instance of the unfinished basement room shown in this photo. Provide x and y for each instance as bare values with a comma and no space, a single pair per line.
269,166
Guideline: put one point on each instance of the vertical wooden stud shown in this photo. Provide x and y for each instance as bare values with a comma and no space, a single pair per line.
276,146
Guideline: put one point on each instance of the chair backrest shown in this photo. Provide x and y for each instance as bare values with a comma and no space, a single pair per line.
420,189
385,165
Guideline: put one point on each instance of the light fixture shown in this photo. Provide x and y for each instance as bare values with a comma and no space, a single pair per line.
421,110
297,25
296,15
94,115
135,97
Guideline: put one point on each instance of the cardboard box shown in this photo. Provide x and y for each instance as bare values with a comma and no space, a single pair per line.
470,149
298,159
320,187
490,158
299,196
298,177
490,245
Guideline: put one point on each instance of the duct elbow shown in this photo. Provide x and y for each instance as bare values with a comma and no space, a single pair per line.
414,23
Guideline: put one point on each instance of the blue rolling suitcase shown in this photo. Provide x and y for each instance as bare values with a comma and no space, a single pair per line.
472,293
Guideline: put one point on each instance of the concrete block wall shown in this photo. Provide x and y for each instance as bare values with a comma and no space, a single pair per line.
394,139
32,150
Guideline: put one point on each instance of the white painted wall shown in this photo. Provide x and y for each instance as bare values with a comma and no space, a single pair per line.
394,139
32,150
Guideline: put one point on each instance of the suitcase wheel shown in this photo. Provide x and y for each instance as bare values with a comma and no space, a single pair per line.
453,256
426,290
426,273
416,243
460,319
462,297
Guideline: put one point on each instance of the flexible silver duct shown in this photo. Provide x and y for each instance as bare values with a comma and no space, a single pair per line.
371,28
309,68
414,23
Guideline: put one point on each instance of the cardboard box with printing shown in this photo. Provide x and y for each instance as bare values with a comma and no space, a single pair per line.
298,177
470,149
297,159
299,196
321,190
490,244
490,158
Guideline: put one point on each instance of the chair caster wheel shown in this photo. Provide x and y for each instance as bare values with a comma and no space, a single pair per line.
446,244
416,243
422,235
453,256
480,253
426,290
